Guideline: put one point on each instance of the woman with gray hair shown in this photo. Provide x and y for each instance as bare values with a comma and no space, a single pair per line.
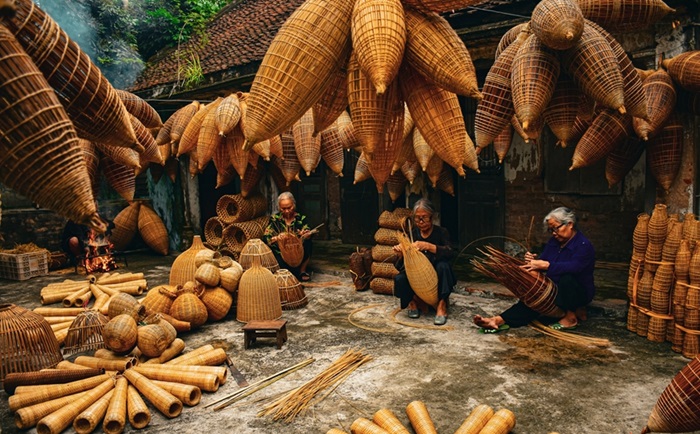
568,259
434,242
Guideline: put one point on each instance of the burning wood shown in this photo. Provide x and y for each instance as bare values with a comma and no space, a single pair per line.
98,254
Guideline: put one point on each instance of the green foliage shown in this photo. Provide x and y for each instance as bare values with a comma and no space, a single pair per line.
190,70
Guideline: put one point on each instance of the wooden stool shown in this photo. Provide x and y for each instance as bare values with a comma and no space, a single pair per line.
265,329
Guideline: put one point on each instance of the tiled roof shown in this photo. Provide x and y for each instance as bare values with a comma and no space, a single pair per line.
240,34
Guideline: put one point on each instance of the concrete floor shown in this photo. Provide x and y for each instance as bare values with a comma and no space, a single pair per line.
551,386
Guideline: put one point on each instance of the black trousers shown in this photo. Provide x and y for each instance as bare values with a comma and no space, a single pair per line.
570,296
296,271
446,281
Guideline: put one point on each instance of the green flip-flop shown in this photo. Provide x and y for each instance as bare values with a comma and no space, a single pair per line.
560,327
501,328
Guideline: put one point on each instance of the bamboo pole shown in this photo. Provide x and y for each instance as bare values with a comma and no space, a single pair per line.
27,417
164,401
30,395
66,285
56,297
197,351
87,421
115,418
188,394
139,415
62,418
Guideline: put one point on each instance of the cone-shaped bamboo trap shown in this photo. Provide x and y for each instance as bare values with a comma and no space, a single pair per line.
420,272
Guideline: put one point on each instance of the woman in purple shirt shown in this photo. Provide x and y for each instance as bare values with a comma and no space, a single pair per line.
568,259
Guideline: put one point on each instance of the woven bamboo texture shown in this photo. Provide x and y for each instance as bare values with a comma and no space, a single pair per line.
159,299
609,130
672,242
624,15
91,102
258,294
253,248
557,23
236,235
291,249
188,307
419,417
332,150
682,262
386,237
386,419
658,224
435,166
476,420
534,76
362,425
292,295
190,135
560,113
139,108
661,100
410,170
250,184
120,177
362,172
120,334
419,271
510,36
440,6
395,219
685,70
92,160
214,231
29,343
622,159
208,140
289,164
125,156
239,157
208,273
347,132
218,302
382,285
435,50
593,66
85,332
372,114
333,101
62,418
182,116
153,230
664,153
501,421
384,156
640,237
228,114
383,253
677,408
46,376
39,146
384,269
406,151
437,114
164,401
378,34
421,149
495,110
151,152
308,147
183,267
234,208
308,49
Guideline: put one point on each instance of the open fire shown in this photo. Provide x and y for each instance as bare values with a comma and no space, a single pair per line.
98,254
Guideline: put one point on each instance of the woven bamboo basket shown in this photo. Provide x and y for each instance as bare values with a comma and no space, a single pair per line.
308,49
258,294
208,140
420,418
476,420
422,150
153,230
643,296
29,395
672,242
230,277
115,417
276,146
218,302
139,108
250,185
440,6
208,274
593,66
689,222
622,159
333,101
676,409
365,426
255,247
308,147
661,100
495,110
233,208
360,263
29,343
259,150
120,177
694,269
384,156
153,340
151,153
46,377
120,334
640,237
629,15
362,172
395,219
406,151
396,186
291,249
682,263
557,23
159,299
37,164
561,111
420,272
182,116
580,126
662,283
685,70
347,132
91,102
87,421
228,113
225,175
188,307
664,152
609,130
85,332
163,136
379,42
657,226
438,116
164,401
435,50
372,114
92,160
292,295
384,269
503,421
533,78
435,166
332,148
632,315
183,268
386,237
188,394
123,303
381,253
138,412
214,231
387,420
238,234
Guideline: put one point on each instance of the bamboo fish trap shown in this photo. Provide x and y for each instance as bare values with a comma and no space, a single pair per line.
609,130
292,295
685,70
258,294
91,102
332,103
332,148
139,108
419,271
557,23
234,208
291,248
661,100
664,152
617,15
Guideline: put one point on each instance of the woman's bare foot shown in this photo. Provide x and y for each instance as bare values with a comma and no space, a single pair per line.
489,323
581,314
569,320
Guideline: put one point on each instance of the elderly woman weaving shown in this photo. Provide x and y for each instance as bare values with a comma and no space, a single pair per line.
568,260
288,222
434,242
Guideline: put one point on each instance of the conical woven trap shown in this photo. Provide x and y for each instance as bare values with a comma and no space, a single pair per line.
257,248
291,249
258,294
85,333
184,267
292,295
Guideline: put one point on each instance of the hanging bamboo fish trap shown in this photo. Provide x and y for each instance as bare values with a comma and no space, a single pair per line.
664,152
251,184
560,113
139,108
333,101
125,226
609,130
120,177
292,295
92,160
362,172
510,36
228,114
622,159
384,156
153,230
308,147
685,70
125,156
208,140
258,294
90,100
182,116
255,247
347,132
558,24
190,135
661,100
626,15
332,150
406,152
502,142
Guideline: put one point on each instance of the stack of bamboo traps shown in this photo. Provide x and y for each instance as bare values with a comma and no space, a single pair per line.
663,284
111,389
382,268
481,420
238,220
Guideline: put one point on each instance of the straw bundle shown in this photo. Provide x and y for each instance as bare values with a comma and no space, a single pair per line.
420,272
153,230
495,110
593,66
609,130
534,289
188,307
382,285
661,100
120,177
234,208
387,420
292,295
557,23
378,34
140,109
420,419
85,332
503,421
59,420
308,49
255,247
164,401
365,426
624,15
476,420
258,294
332,148
91,102
622,159
435,50
120,334
664,152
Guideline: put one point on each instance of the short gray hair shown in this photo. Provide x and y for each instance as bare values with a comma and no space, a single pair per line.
286,195
562,214
425,205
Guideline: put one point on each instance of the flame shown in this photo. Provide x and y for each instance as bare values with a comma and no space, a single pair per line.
99,254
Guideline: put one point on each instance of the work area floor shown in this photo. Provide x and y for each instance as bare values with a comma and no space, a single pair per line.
550,385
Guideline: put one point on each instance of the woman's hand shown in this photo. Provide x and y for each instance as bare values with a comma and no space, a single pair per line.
424,246
529,256
398,250
536,265
304,234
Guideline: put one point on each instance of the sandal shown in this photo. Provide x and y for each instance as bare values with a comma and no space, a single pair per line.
501,328
561,327
304,276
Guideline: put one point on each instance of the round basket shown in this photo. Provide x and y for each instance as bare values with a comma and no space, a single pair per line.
234,208
258,294
214,231
382,285
85,332
394,219
123,303
386,237
29,344
384,269
120,334
218,302
188,307
183,267
292,295
160,299
291,249
257,248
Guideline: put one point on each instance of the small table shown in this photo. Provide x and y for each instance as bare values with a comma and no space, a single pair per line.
265,329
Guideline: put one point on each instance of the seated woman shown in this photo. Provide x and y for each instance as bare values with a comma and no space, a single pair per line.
73,240
568,259
434,242
287,220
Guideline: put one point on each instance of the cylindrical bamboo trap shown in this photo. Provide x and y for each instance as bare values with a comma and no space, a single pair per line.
87,421
50,376
420,418
206,381
115,417
59,420
27,417
503,421
188,394
172,351
29,395
164,401
106,364
388,421
362,425
139,414
476,420
190,354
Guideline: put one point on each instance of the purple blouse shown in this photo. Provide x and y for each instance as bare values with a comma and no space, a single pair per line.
577,258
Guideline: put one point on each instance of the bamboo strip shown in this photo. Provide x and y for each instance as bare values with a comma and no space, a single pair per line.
115,418
220,372
197,351
87,421
188,394
107,364
30,395
58,311
173,350
61,419
139,415
164,401
27,417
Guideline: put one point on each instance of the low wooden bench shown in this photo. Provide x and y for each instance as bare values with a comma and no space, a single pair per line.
265,329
